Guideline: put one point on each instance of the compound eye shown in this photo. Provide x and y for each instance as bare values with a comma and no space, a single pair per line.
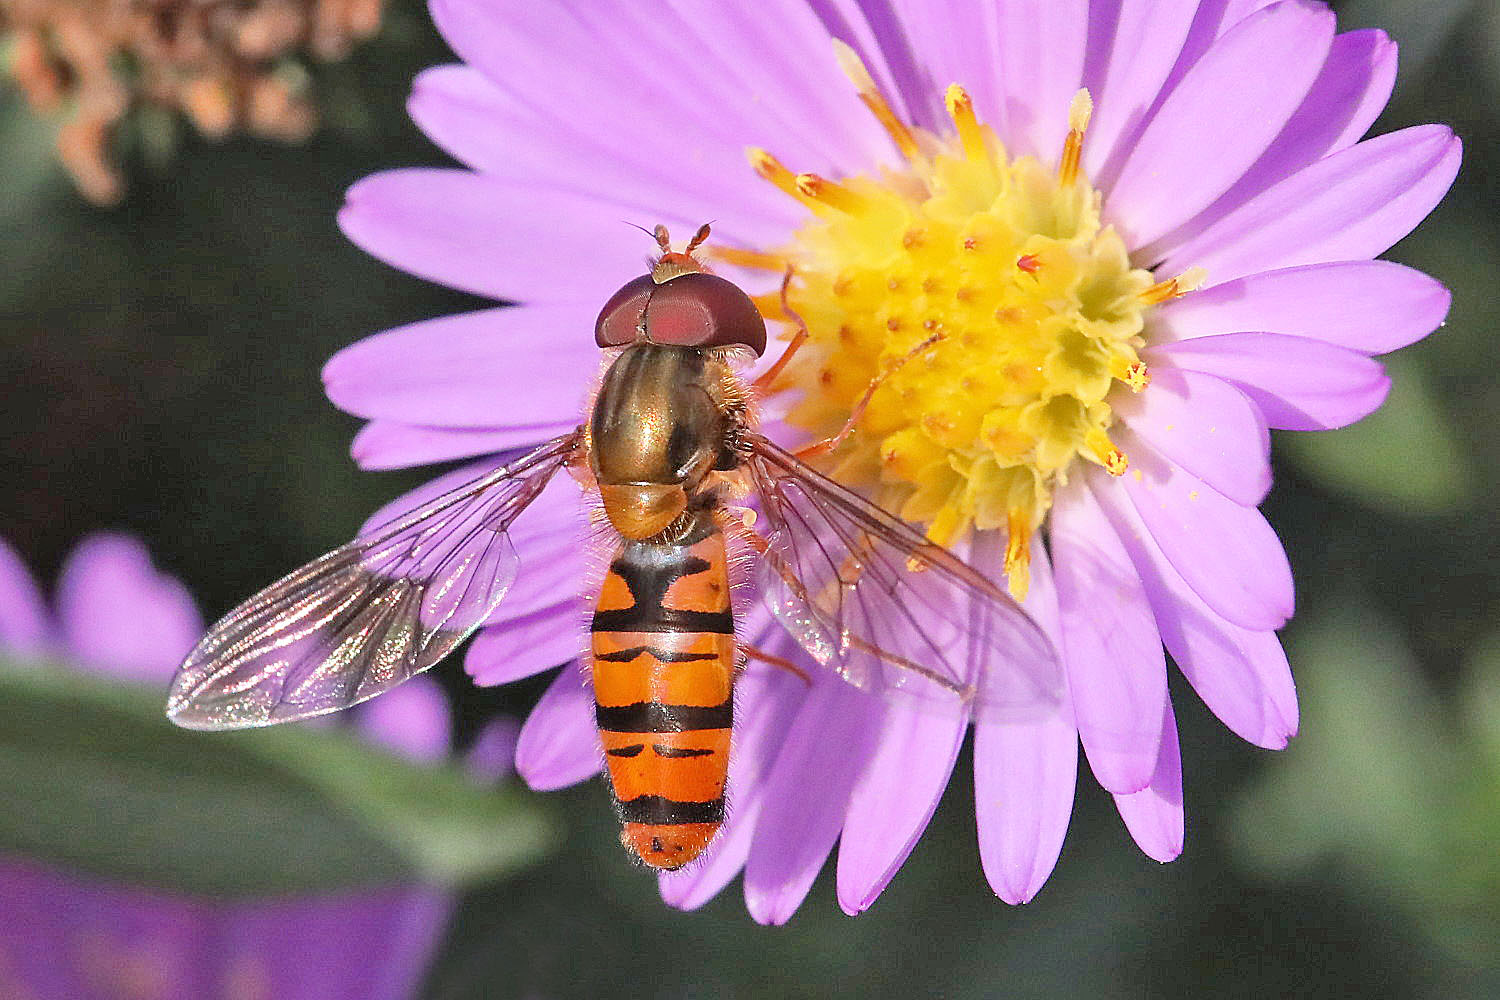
624,316
704,310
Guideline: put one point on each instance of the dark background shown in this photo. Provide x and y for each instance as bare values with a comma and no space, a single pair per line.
161,377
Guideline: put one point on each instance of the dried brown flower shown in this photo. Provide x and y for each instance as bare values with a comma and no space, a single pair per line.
227,65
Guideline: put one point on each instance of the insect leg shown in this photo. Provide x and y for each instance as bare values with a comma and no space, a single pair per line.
763,383
829,444
755,653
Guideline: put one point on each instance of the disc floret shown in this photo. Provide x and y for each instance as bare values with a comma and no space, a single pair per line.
1039,309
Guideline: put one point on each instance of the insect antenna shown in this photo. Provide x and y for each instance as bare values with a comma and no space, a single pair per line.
663,238
698,238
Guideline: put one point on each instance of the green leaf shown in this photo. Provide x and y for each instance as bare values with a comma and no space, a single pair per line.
93,776
1402,457
1383,793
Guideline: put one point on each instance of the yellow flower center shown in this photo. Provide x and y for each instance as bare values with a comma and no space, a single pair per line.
996,311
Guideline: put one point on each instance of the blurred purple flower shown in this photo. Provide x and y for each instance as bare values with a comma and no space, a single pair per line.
67,937
1223,154
65,934
116,614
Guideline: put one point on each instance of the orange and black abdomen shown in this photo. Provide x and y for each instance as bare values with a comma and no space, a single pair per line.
664,656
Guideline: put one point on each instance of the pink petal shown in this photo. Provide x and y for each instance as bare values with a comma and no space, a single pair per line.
1042,44
388,444
493,755
766,702
458,108
1300,384
894,798
779,56
522,366
640,85
1210,21
540,620
527,645
560,510
1348,95
595,152
1213,19
1153,815
883,42
1117,676
25,630
1226,552
1370,306
807,795
1242,92
499,238
1226,665
1205,425
559,745
556,562
120,615
1125,68
413,720
1024,777
958,42
1274,674
1352,205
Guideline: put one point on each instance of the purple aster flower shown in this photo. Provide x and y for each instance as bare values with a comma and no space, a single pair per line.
67,934
1146,233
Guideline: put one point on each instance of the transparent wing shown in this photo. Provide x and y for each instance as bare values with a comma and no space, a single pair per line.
367,615
868,596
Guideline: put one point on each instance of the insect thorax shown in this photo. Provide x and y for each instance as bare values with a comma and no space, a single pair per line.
655,419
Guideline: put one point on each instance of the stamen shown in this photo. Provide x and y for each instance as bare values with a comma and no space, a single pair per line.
970,132
1132,373
1018,554
1173,288
946,526
1079,113
758,260
771,169
872,98
1105,453
770,306
830,193
962,240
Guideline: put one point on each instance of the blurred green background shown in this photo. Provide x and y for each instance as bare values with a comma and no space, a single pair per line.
161,377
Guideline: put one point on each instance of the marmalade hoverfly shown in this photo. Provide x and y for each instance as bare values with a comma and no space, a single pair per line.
670,439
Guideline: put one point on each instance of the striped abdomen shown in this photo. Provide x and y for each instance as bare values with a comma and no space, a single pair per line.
664,659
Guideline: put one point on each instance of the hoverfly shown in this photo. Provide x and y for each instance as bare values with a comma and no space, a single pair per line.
670,440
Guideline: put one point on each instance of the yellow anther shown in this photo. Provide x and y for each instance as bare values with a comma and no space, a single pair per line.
872,98
1191,280
771,169
1018,554
1009,257
1079,113
1103,451
769,305
1165,291
830,193
970,132
1132,373
757,260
